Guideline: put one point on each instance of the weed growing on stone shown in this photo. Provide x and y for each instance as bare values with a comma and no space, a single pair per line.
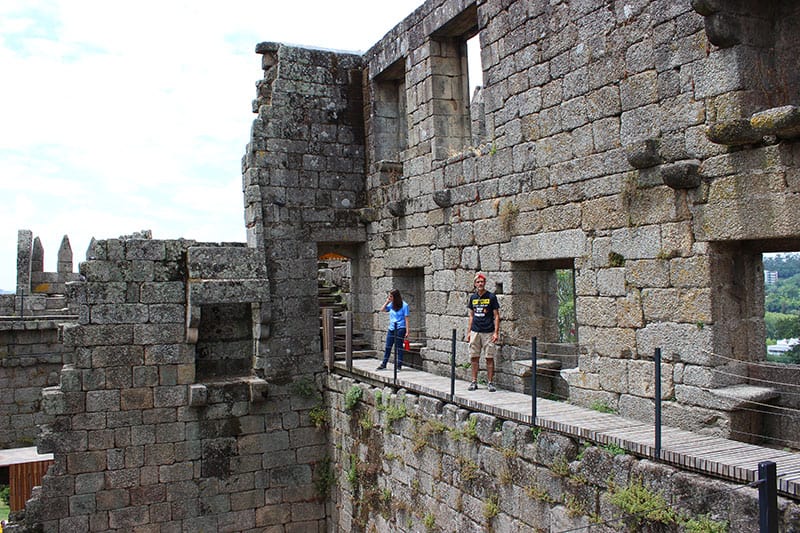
615,259
509,452
325,478
704,524
506,477
508,214
365,422
574,506
641,505
395,412
423,433
429,521
469,431
538,493
602,407
613,449
561,467
535,432
352,397
491,507
468,469
352,472
319,417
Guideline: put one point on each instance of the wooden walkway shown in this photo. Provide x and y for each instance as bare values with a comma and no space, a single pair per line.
714,456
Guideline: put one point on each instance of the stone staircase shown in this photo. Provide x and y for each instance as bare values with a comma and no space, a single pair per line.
330,297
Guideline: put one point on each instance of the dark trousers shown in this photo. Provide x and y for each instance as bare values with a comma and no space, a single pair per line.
394,337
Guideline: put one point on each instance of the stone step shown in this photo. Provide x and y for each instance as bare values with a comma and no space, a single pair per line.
741,396
545,367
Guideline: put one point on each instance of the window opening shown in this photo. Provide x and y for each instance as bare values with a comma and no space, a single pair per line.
782,306
390,119
452,93
544,301
225,341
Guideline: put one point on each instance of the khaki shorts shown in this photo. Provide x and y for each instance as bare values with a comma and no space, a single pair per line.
477,341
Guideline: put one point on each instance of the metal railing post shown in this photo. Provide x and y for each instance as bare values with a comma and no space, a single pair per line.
453,368
768,497
533,381
657,362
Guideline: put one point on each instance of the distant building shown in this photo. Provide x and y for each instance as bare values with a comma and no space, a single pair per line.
782,346
770,277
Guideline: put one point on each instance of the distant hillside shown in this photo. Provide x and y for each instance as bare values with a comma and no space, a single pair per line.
3,291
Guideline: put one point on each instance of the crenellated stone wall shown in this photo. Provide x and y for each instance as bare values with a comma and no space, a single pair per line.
162,420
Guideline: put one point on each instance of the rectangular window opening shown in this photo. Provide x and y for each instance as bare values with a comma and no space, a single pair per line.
225,341
390,118
458,117
782,306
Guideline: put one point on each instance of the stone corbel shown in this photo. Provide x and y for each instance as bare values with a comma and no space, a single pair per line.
397,209
722,29
198,395
257,390
676,175
681,174
442,198
782,122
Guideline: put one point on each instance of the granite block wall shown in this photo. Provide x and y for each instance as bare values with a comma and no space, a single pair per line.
649,148
403,462
149,435
31,356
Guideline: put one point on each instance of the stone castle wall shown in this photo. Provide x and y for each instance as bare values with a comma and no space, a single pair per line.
410,463
629,143
31,356
162,420
633,144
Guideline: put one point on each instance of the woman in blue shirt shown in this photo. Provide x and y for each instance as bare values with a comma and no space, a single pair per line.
398,327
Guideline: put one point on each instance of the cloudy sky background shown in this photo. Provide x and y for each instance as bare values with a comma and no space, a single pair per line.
121,116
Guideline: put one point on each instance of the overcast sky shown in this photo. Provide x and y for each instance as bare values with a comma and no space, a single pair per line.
121,116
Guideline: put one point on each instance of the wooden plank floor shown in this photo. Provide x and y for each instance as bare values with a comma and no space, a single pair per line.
723,458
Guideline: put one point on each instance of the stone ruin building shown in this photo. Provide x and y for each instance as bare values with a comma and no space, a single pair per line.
646,147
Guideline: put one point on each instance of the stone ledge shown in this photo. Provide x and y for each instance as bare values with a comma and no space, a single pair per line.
741,395
547,367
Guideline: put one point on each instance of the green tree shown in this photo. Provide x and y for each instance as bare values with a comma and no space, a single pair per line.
781,325
783,296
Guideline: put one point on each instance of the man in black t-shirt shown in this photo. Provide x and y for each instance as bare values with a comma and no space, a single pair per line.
483,329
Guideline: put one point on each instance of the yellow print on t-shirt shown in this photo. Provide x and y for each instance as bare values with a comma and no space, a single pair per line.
480,305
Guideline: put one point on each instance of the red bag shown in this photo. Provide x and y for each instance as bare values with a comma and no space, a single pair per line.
406,345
